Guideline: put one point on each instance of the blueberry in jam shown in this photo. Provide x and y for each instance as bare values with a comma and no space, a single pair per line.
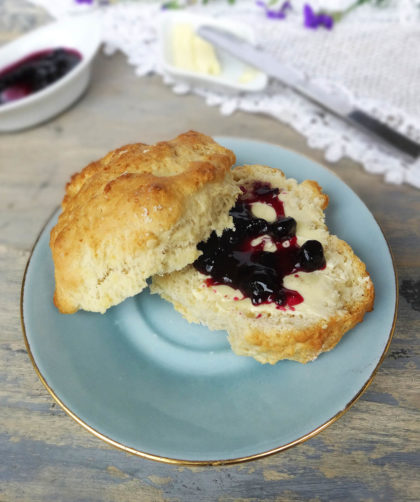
238,260
311,256
261,286
35,72
284,227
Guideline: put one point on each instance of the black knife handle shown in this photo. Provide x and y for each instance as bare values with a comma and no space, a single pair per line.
385,133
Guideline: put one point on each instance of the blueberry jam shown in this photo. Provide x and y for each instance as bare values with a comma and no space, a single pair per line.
239,257
35,72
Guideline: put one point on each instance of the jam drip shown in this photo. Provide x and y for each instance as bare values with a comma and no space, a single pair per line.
239,258
35,72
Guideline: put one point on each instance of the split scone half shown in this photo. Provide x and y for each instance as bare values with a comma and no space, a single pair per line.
279,284
139,211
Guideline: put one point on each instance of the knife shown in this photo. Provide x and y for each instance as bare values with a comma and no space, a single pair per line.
338,104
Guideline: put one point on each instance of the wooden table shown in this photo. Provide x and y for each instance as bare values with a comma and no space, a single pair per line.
371,453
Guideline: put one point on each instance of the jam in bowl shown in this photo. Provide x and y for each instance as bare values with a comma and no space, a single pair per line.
35,72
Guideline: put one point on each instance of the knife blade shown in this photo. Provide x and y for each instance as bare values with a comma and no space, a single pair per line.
338,104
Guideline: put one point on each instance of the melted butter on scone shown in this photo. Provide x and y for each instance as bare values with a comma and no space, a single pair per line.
307,227
317,289
264,211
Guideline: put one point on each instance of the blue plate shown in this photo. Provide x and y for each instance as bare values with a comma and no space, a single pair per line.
145,380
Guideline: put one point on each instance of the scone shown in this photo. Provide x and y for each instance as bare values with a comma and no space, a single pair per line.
279,283
139,211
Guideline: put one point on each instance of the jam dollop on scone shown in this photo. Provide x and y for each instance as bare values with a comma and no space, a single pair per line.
278,282
257,254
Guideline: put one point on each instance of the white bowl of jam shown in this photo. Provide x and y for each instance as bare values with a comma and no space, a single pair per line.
44,72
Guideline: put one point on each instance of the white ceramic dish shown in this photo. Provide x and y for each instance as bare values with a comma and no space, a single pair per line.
81,33
232,68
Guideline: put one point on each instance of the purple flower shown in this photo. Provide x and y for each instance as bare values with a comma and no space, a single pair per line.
275,13
314,21
170,5
84,1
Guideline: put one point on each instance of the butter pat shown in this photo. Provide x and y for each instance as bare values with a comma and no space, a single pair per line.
192,53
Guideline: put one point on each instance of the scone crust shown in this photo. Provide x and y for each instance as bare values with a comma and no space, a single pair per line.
129,203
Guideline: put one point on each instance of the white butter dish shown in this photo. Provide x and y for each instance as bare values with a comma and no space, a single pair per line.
234,75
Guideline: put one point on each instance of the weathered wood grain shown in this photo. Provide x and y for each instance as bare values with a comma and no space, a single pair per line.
371,453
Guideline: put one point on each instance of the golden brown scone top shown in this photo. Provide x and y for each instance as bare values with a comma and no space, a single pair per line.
123,202
148,167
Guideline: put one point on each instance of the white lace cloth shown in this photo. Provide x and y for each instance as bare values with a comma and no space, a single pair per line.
373,55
